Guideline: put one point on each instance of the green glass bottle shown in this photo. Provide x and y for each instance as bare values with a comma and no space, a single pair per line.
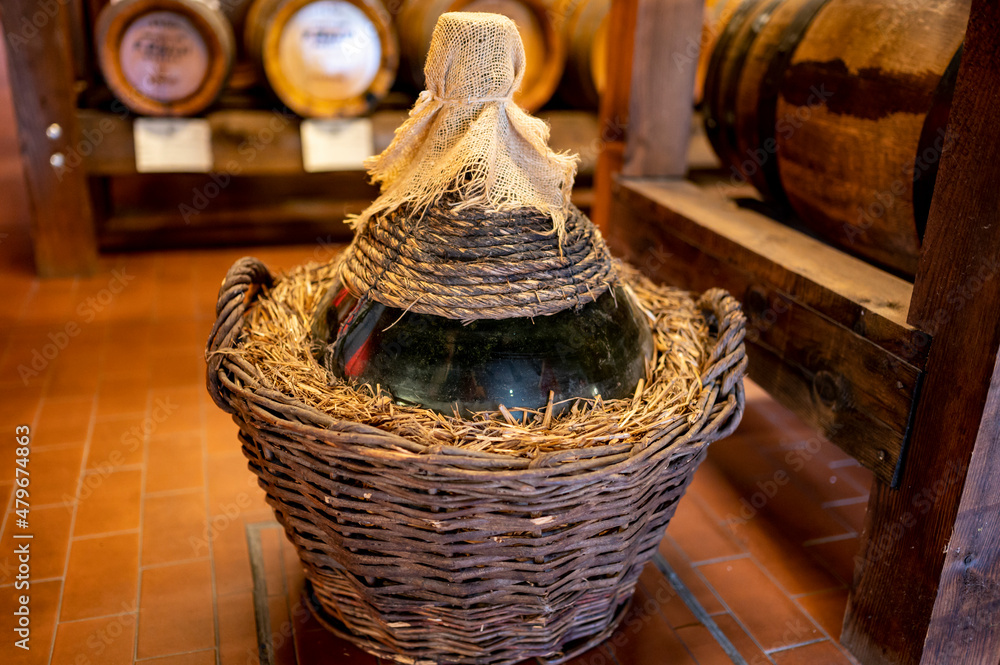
447,366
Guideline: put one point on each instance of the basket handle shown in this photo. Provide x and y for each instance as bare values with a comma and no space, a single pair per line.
728,358
239,289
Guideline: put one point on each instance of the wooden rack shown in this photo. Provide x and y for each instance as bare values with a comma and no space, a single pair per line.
902,376
85,193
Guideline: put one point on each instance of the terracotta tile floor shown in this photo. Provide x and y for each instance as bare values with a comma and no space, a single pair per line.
140,498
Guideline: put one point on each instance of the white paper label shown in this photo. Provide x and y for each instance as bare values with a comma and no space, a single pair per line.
336,145
331,49
172,145
163,56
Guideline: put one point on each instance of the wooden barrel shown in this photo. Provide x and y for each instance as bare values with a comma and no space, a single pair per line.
324,58
717,16
584,26
245,72
825,105
164,57
544,46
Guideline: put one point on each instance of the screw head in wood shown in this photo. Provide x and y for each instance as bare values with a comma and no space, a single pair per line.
54,131
57,160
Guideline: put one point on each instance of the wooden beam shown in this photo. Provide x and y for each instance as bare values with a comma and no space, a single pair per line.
825,330
962,626
41,67
928,568
614,106
661,101
649,96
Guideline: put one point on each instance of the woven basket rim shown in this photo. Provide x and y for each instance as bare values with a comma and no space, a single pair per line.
512,466
372,441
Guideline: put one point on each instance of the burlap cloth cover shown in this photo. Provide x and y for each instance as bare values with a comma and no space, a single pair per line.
474,219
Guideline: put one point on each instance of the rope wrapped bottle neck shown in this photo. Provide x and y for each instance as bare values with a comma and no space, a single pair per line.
428,96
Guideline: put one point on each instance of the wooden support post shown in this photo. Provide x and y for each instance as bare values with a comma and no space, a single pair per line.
647,105
927,585
41,64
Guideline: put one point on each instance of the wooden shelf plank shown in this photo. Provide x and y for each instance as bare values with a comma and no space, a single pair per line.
246,142
267,142
856,294
827,332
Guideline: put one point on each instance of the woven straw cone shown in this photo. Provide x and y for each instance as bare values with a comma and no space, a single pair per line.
485,265
429,552
474,219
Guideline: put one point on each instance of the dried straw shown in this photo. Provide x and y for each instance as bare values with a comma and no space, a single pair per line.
278,344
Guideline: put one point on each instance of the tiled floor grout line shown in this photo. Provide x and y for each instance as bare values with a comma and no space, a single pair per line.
807,489
811,553
694,606
720,559
856,486
163,494
843,463
203,419
94,536
760,564
837,503
829,539
72,525
179,653
178,562
143,480
33,581
818,592
115,469
55,447
718,596
789,647
822,631
840,520
103,616
836,643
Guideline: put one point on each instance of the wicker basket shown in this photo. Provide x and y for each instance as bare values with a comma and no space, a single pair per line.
443,555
